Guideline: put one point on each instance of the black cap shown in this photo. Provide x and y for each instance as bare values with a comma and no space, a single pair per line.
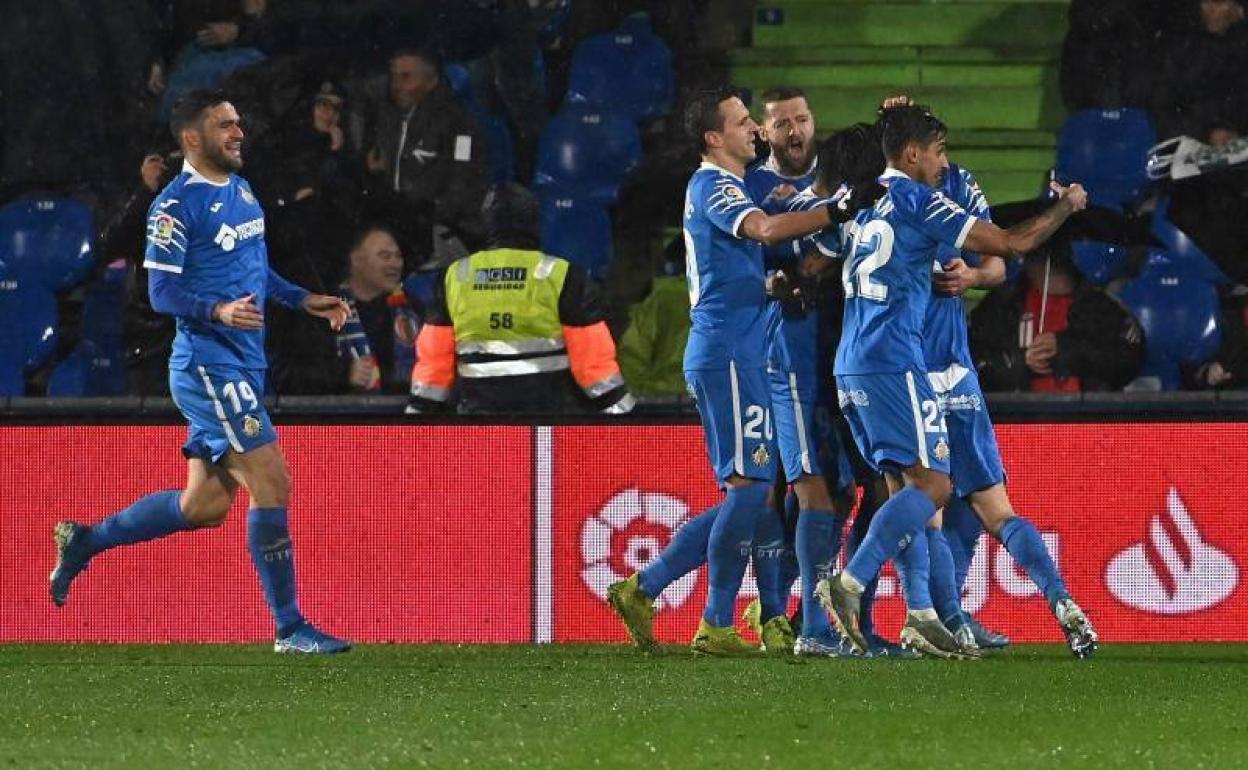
509,208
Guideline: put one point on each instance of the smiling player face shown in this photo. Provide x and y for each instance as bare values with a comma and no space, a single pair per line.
221,137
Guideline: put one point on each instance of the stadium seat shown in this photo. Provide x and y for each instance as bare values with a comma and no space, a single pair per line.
96,367
1180,314
628,70
1100,262
579,231
502,150
48,240
28,318
586,152
1183,249
1107,152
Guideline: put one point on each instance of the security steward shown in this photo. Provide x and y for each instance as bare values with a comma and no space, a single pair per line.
520,330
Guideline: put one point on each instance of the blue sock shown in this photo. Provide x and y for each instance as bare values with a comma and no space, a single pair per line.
729,549
945,594
685,552
1022,540
962,530
148,518
898,521
268,539
914,567
768,553
818,540
790,569
857,533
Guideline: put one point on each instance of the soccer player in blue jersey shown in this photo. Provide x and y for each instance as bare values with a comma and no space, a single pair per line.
725,358
977,472
789,128
209,269
882,385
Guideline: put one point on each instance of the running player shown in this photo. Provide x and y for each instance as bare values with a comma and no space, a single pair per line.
725,359
880,370
209,269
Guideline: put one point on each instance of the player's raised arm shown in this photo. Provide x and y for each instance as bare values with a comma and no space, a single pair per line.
1025,236
770,229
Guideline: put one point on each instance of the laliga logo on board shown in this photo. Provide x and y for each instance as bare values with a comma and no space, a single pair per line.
1174,571
628,533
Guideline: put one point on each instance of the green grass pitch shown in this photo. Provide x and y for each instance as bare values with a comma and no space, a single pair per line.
1136,706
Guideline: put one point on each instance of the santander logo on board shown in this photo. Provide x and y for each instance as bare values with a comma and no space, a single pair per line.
1174,571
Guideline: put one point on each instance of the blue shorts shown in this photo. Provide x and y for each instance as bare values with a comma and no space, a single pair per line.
896,420
806,431
976,461
735,407
225,408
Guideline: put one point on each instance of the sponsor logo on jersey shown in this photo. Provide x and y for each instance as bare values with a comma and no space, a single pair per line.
494,278
628,533
967,402
228,237
214,208
857,397
1173,571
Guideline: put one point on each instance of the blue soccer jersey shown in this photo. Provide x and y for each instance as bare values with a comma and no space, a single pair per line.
944,338
774,192
728,303
212,234
888,275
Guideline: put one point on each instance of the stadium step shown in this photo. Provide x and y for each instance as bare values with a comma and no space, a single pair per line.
894,75
960,108
859,54
985,24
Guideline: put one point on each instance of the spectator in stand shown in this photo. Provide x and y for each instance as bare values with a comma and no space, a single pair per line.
207,40
1229,368
1107,57
426,155
1201,88
510,323
375,349
652,348
1073,338
147,335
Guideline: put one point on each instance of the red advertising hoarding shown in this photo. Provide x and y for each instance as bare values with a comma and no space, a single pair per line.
511,534
1145,521
402,534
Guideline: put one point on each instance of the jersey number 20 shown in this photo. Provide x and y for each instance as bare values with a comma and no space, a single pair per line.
870,250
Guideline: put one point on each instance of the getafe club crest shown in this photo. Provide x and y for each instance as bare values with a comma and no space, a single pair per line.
760,455
942,450
247,196
251,426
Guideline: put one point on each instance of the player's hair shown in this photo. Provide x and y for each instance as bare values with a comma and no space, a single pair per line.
189,109
850,156
782,94
901,126
702,113
427,55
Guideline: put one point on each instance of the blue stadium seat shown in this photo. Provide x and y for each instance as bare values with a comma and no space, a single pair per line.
1099,261
578,230
502,149
628,70
1180,314
586,152
96,367
1182,248
28,318
1107,151
48,240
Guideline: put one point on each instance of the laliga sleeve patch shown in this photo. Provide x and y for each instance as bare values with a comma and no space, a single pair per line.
463,147
162,229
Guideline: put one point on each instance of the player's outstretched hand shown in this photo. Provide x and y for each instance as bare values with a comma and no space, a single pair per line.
242,313
1073,193
954,278
331,308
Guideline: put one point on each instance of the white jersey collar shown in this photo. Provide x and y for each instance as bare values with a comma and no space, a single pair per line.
197,177
706,164
892,173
